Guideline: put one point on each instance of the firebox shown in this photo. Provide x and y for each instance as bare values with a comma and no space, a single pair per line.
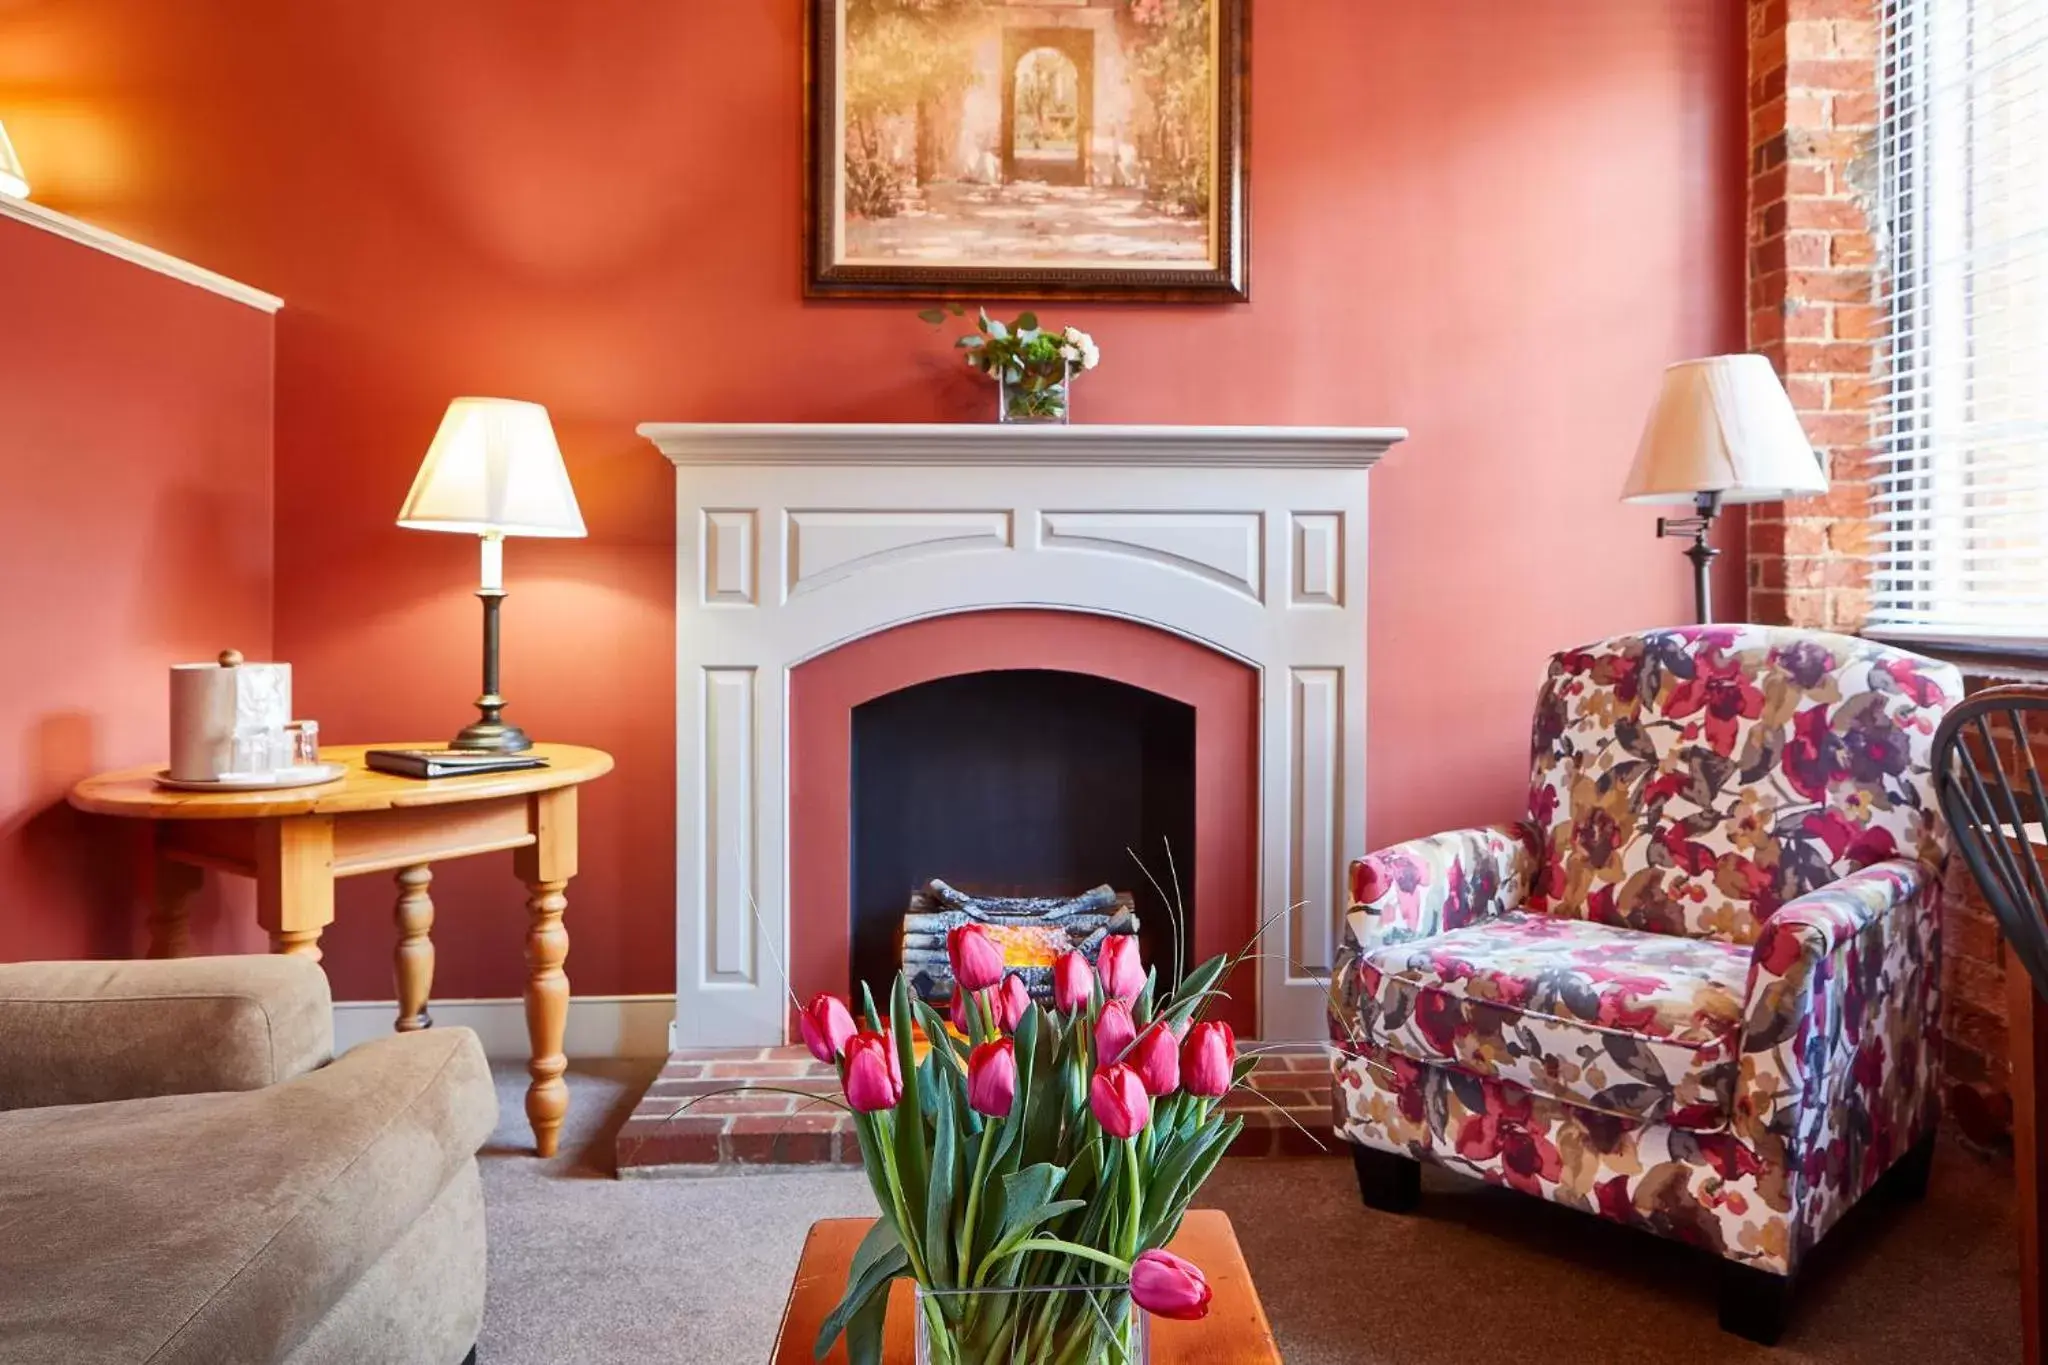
1026,782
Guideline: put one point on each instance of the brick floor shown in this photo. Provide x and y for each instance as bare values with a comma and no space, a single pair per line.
707,1113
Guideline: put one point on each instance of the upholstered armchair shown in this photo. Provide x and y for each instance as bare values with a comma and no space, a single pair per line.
1696,989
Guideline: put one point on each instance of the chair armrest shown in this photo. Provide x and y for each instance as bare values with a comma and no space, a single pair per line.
1447,881
89,1032
1840,1033
1424,887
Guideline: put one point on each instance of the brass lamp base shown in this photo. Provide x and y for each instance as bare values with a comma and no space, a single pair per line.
490,732
492,736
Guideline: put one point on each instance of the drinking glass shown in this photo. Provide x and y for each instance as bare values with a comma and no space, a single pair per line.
302,739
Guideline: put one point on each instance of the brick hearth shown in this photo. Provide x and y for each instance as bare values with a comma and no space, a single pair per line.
728,1132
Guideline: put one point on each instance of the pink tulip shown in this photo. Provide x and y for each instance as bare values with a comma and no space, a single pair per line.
957,1011
1209,1059
1169,1286
1156,1059
1123,976
826,1024
1118,1100
977,961
992,1078
1012,999
874,1078
1072,983
1114,1032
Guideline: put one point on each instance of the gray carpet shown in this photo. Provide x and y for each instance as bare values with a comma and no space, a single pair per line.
587,1268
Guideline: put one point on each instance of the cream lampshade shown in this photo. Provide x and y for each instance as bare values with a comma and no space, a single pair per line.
1722,431
13,180
493,470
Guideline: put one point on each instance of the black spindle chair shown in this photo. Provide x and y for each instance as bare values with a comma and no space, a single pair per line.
1995,799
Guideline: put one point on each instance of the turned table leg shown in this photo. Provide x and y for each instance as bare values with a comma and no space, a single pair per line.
413,959
547,1012
546,865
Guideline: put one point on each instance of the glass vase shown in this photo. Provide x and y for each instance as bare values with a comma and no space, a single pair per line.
1047,1325
1040,396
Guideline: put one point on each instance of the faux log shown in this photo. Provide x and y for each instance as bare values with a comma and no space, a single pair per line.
1083,922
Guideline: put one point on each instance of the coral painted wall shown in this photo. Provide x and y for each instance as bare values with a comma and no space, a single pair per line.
135,526
1492,223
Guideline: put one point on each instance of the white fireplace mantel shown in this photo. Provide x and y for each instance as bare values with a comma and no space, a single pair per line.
794,539
932,443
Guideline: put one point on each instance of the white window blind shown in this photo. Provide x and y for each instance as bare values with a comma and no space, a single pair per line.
1962,424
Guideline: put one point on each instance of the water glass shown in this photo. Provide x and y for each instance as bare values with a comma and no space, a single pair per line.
302,740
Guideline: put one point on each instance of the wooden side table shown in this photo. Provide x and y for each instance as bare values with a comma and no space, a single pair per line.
295,843
1234,1333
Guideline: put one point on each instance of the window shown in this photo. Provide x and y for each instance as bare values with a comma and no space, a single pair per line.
1961,426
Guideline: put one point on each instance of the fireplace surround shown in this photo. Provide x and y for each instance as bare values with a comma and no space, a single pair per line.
822,568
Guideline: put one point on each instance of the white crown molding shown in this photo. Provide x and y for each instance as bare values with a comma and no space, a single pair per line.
935,443
599,1025
149,258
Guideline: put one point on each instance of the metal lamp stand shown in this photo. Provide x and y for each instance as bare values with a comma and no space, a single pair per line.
1707,506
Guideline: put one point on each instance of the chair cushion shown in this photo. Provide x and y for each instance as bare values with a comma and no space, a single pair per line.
1639,1025
221,1227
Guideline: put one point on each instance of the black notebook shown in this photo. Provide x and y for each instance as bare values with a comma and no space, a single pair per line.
447,762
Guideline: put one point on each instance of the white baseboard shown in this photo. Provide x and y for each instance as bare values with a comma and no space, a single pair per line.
599,1025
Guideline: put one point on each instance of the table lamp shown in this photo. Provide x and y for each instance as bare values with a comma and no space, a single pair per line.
13,180
1722,431
493,471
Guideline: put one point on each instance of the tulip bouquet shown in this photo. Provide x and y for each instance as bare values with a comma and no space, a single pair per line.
1032,1167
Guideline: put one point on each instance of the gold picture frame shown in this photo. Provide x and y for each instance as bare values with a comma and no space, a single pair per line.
1027,149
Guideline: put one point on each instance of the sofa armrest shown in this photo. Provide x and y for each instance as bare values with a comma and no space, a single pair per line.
1446,881
88,1032
1840,1034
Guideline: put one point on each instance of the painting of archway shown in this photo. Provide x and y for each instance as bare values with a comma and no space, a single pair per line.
1027,148
1048,105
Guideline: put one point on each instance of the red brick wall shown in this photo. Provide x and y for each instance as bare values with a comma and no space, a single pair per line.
1812,292
1814,308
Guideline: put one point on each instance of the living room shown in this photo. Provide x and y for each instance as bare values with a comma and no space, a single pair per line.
949,859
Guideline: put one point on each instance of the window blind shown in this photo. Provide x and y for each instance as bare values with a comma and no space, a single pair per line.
1961,428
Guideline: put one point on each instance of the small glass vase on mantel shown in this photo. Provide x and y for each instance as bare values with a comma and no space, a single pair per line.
1058,1325
1041,395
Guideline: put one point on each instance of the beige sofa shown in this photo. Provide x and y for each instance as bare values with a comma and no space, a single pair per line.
187,1174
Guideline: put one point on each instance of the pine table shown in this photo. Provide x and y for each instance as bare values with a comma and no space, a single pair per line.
294,843
1234,1333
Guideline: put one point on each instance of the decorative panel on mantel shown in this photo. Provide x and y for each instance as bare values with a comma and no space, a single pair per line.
792,540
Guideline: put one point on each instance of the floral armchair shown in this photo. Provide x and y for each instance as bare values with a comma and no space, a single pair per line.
1696,989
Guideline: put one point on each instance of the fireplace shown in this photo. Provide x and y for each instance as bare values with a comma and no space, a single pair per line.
1105,681
1024,782
1182,607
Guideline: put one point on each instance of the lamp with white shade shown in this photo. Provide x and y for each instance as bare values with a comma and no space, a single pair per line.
493,471
1722,431
13,180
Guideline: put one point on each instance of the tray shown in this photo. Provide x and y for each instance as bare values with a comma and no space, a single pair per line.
280,780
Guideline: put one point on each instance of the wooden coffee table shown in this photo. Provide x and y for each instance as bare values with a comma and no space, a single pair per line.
1234,1333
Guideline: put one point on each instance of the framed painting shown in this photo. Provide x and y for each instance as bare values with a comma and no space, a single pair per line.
1027,149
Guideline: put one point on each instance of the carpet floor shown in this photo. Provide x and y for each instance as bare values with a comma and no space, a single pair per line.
584,1267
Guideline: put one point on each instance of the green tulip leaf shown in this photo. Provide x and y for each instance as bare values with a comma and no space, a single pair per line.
912,1159
938,1216
879,1259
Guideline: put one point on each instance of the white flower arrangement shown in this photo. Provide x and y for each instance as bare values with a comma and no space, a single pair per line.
1034,363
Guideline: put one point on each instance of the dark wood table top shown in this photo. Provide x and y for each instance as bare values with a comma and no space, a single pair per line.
1234,1333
